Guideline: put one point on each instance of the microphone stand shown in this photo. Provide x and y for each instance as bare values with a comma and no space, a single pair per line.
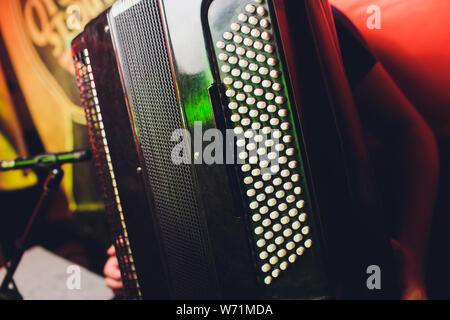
51,184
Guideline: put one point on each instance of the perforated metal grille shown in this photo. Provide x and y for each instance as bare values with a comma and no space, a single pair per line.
105,169
141,45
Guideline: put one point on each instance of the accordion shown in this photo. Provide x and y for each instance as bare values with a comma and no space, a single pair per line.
229,151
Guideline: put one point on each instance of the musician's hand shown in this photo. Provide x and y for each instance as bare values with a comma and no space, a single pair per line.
112,272
412,275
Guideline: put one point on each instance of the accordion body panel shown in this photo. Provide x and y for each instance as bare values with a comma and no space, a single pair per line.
199,230
117,163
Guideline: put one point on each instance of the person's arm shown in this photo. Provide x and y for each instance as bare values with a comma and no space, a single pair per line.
393,118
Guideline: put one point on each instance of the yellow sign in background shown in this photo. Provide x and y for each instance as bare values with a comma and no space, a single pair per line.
12,143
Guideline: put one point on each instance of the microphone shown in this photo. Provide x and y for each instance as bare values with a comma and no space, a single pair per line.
46,160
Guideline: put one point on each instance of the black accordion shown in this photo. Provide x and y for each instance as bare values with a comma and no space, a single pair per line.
229,151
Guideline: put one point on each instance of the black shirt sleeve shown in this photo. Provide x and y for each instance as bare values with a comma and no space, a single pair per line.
357,58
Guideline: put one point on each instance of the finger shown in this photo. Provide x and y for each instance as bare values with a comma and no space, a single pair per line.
111,251
111,269
113,274
113,284
114,262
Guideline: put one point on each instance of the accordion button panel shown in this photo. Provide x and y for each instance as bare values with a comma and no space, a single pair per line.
257,88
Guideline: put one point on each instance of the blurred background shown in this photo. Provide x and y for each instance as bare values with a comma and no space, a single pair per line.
40,112
413,44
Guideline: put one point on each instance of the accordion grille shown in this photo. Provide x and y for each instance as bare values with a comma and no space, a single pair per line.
144,58
105,169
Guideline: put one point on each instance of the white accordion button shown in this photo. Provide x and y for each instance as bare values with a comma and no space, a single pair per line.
248,180
275,273
254,205
300,204
248,42
272,62
290,245
263,255
292,258
298,237
293,212
259,230
269,189
275,74
277,227
228,36
264,209
238,39
256,217
266,223
235,26
300,251
220,44
273,260
261,243
287,233
256,33
268,235
240,51
290,199
258,45
266,36
261,11
245,29
296,225
250,8
303,217
308,243
243,17
274,215
268,48
223,57
272,202
265,23
253,20
281,253
279,240
230,47
305,230
243,63
271,248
